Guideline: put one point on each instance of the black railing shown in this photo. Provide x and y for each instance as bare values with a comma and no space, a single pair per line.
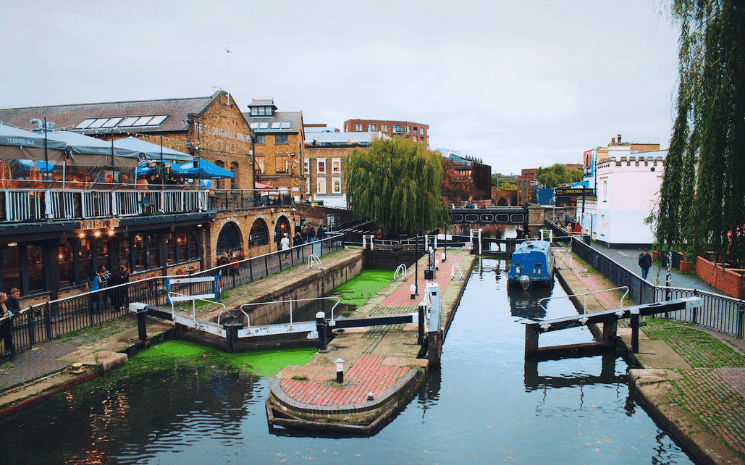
719,312
51,320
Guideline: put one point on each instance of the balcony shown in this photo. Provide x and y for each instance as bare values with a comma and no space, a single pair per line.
59,205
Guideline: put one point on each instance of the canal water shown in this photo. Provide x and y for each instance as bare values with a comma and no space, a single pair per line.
485,405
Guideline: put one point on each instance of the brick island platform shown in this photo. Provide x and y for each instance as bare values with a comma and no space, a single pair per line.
381,368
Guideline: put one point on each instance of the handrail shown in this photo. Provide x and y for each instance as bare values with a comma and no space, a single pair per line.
400,276
313,258
338,300
585,294
455,266
193,304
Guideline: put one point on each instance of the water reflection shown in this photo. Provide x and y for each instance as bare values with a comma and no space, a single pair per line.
608,375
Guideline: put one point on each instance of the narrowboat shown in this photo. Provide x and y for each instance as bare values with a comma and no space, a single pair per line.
532,265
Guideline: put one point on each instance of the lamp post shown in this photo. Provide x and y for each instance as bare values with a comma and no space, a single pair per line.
416,259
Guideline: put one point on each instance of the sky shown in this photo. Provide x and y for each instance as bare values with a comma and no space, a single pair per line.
519,84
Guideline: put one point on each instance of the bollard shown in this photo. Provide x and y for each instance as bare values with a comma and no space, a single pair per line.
141,329
420,336
339,370
321,329
634,323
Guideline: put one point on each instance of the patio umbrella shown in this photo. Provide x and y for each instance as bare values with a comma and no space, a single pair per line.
203,170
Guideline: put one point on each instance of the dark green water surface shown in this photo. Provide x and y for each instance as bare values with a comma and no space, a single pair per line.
182,404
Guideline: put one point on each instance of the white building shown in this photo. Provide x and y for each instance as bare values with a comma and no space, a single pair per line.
627,184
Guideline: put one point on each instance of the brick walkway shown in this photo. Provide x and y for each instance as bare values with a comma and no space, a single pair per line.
36,363
401,297
367,375
713,394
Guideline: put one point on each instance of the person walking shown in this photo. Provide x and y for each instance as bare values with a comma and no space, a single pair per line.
297,241
645,262
285,243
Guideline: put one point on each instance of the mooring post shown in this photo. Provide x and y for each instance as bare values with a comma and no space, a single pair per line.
610,330
321,329
141,329
434,341
231,339
531,339
634,323
420,337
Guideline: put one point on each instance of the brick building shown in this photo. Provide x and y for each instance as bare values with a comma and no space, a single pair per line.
279,145
325,161
525,183
415,131
211,127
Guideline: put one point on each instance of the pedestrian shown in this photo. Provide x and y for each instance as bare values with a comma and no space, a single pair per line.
92,285
124,290
645,262
568,220
8,324
105,283
311,234
285,243
14,300
321,232
297,241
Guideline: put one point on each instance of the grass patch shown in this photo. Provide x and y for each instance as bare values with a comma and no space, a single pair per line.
260,362
696,347
361,288
93,333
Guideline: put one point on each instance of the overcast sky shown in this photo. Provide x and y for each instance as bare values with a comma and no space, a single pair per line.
520,84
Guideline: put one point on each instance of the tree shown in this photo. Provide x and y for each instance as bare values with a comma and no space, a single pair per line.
507,186
396,182
703,186
558,174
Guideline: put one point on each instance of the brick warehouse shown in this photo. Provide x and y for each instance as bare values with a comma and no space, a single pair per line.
58,253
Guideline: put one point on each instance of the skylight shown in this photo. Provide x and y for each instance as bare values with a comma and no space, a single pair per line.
98,123
142,121
129,121
157,120
254,125
112,122
286,125
263,125
276,125
85,123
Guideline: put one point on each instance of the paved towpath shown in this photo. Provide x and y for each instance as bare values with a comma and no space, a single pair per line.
376,359
694,384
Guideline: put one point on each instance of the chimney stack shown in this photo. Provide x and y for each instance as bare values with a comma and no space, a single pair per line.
619,138
613,141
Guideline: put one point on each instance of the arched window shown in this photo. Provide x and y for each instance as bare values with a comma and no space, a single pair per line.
229,239
259,234
221,184
234,182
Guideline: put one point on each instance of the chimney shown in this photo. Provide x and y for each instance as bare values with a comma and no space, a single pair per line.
619,138
613,141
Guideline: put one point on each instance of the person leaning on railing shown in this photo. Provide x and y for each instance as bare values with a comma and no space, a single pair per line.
6,312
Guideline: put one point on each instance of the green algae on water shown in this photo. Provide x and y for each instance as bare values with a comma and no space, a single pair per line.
261,362
361,288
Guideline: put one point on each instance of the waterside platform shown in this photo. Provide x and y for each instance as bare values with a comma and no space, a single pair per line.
382,370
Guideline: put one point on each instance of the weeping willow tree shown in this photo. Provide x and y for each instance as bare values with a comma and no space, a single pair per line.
702,199
396,182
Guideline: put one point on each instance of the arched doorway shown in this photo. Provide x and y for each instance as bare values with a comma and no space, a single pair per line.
283,227
259,234
502,202
229,240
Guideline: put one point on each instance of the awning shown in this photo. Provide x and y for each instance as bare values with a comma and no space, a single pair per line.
19,144
205,170
94,152
148,151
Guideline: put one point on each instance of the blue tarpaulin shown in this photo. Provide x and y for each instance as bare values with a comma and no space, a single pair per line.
203,170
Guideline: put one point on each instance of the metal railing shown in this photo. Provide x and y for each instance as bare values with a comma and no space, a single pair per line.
52,204
50,320
719,312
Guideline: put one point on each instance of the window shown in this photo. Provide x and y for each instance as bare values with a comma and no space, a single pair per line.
396,128
306,166
234,180
113,121
321,186
415,130
336,165
281,163
605,190
321,166
307,186
373,128
384,127
336,185
421,131
407,129
358,127
268,111
261,111
280,139
260,164
260,140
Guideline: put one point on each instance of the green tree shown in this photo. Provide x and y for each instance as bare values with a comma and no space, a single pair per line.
396,182
703,186
558,174
507,186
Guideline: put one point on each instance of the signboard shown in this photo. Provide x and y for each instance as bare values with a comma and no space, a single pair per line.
574,192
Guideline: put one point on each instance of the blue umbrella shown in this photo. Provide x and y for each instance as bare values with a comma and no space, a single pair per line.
203,170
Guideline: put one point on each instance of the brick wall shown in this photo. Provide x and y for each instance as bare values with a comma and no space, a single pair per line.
730,282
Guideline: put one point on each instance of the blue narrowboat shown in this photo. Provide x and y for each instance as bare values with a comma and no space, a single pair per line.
532,265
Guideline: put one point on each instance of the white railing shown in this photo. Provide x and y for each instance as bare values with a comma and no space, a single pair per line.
584,301
64,204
